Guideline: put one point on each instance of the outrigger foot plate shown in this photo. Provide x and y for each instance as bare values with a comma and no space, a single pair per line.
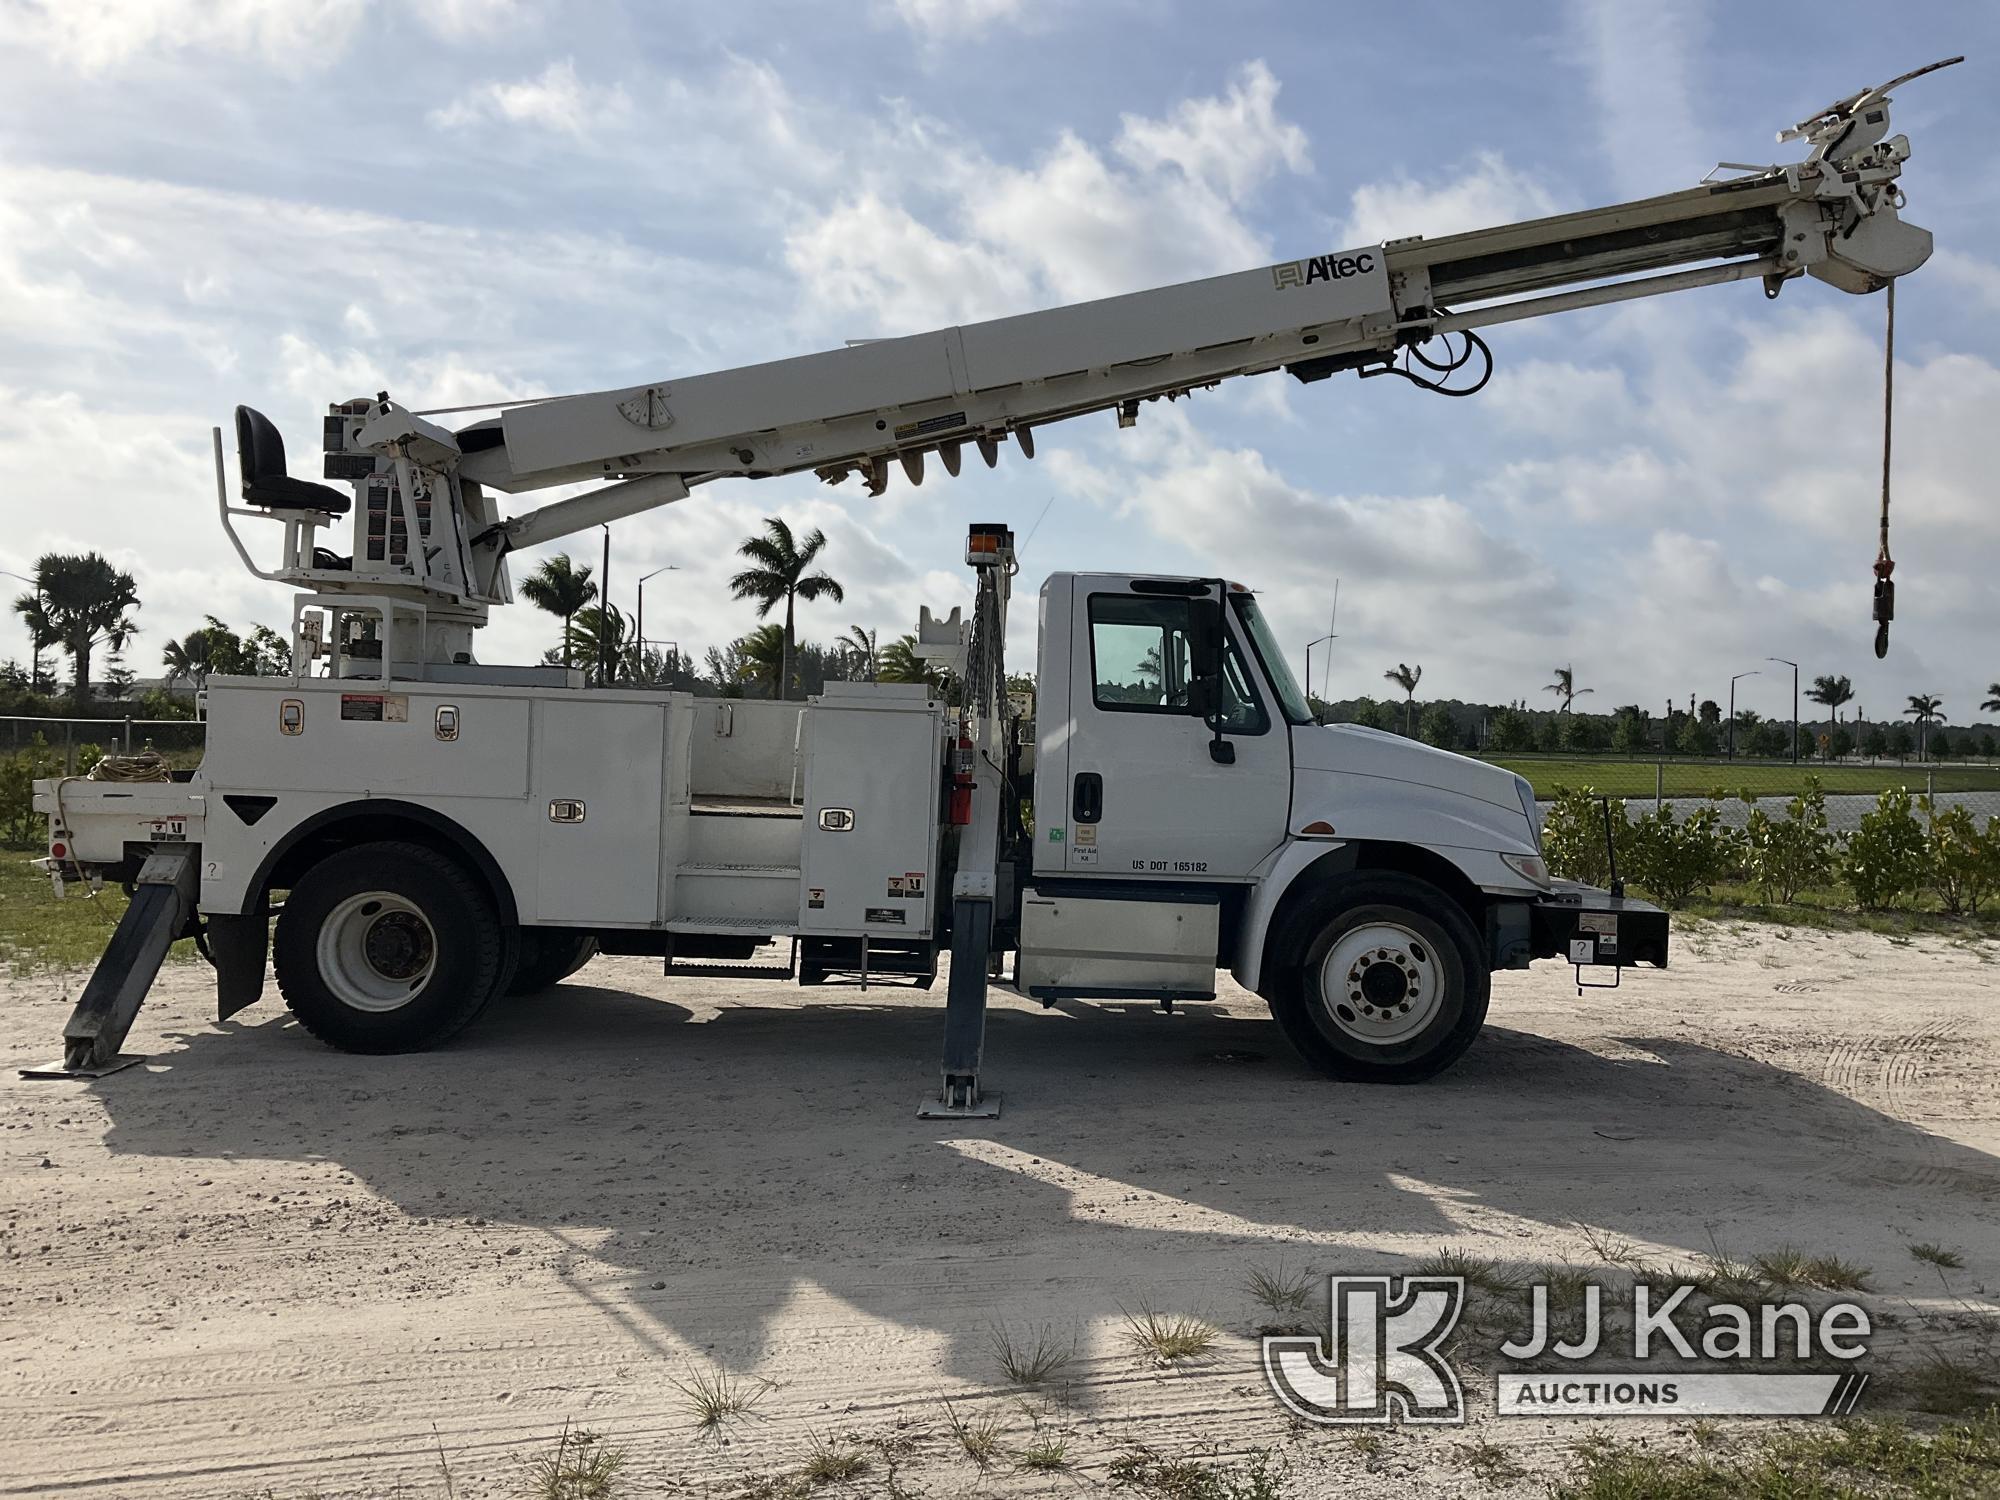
84,1070
987,1107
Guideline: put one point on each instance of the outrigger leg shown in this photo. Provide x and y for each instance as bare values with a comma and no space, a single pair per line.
965,1014
162,903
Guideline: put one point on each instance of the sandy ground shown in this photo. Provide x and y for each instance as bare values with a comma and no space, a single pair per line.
256,1265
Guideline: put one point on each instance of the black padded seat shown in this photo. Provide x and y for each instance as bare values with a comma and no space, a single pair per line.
260,454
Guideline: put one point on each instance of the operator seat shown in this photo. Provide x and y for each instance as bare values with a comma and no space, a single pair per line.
260,455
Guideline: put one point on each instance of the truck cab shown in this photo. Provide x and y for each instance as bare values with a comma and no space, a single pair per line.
1191,814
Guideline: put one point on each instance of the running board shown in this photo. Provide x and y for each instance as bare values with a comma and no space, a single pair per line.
162,902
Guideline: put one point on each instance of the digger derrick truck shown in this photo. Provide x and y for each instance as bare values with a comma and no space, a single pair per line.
408,831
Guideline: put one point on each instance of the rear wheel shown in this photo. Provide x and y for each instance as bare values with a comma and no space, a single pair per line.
387,947
1389,983
548,958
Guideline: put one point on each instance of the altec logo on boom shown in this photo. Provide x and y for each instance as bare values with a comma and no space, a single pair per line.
1387,1361
1322,268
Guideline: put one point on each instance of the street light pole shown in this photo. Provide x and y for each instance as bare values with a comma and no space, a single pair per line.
1309,661
1753,672
1795,703
605,655
639,622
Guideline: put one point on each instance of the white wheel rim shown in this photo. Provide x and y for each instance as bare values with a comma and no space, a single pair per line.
1401,998
376,951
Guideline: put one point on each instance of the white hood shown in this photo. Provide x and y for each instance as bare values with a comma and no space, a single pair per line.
1370,752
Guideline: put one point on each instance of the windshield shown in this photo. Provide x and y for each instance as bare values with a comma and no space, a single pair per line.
1291,701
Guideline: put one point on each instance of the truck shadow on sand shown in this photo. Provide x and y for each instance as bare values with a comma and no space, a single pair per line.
764,1151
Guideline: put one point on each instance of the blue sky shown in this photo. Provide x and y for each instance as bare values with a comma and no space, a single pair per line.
287,202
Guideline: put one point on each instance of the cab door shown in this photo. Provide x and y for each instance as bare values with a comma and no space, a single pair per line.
1146,797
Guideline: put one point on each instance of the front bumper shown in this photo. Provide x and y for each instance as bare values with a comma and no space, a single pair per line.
1586,926
1579,924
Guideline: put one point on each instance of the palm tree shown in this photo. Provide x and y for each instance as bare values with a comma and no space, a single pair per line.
1992,703
860,643
186,659
1565,688
1407,679
41,634
1831,691
209,648
900,663
1923,708
761,656
80,603
562,588
779,572
599,635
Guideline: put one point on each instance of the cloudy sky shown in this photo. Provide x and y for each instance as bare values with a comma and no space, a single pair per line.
287,202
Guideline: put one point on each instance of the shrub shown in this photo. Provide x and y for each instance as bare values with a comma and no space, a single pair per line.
1886,856
20,824
1573,835
1964,863
1673,859
1785,855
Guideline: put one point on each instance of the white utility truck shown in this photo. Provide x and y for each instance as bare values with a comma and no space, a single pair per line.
429,830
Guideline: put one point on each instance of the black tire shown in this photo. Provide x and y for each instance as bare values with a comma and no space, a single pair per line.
433,932
548,958
1439,964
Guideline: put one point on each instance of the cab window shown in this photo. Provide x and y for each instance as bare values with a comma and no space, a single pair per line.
1142,657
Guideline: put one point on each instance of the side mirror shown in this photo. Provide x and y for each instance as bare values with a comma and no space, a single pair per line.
1207,635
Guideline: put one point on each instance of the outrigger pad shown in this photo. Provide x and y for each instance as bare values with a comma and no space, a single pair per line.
96,1070
934,1108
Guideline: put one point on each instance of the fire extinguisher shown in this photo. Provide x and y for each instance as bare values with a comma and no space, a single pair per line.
961,781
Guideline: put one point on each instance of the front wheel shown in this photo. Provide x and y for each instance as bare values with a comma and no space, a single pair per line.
387,947
1388,983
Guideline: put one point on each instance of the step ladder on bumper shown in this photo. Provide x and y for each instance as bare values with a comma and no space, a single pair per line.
162,909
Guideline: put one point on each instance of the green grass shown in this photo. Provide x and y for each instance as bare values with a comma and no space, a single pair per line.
1845,1462
39,932
1617,776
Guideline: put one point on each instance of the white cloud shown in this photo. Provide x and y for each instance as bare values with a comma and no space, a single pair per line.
555,99
1641,61
1230,144
1164,204
1485,194
937,20
104,35
474,20
1980,279
877,261
296,36
1425,577
1556,398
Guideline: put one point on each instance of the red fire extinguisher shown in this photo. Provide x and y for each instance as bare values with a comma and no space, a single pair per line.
961,781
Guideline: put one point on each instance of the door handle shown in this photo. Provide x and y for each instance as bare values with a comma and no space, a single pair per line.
1087,804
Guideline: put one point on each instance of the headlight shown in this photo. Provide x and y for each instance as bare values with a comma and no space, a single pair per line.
1529,867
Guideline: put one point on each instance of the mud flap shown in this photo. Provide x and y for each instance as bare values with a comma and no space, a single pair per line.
237,947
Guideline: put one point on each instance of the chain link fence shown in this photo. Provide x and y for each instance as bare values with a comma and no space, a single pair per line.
1852,786
64,741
